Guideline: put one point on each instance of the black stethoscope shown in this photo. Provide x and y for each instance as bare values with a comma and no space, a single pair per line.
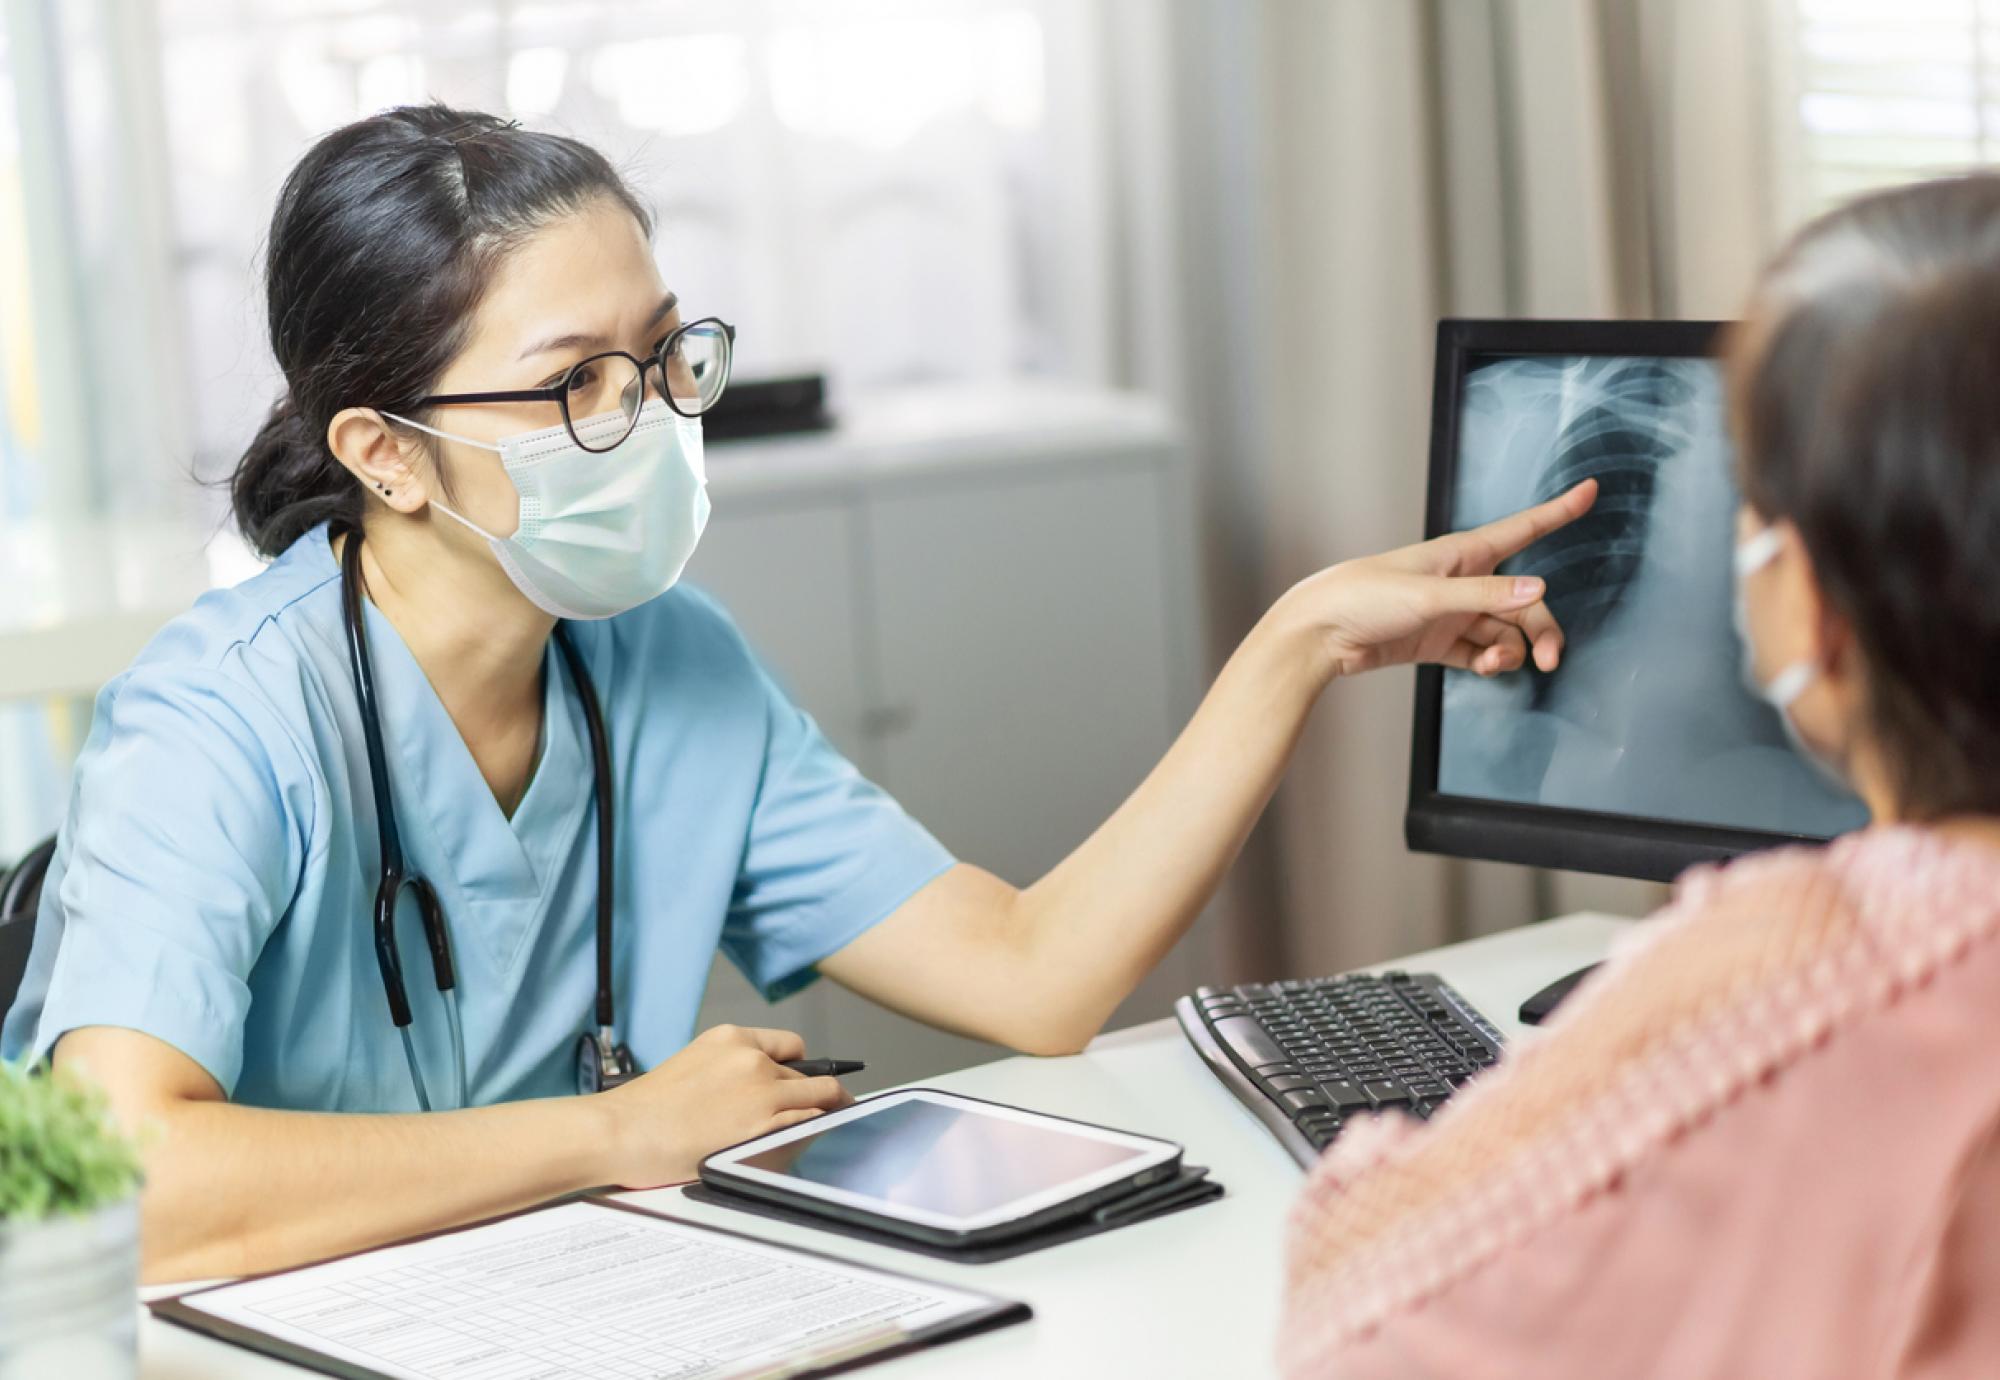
601,1061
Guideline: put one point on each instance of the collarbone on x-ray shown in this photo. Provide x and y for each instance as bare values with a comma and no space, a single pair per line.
1648,715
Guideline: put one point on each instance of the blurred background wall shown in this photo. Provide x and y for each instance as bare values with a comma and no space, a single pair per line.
1232,224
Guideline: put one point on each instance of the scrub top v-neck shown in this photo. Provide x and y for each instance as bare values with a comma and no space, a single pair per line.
212,880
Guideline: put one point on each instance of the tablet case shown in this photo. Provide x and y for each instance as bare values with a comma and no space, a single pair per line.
1190,1188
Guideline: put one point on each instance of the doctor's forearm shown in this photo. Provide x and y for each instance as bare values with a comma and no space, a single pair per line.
235,1189
1109,912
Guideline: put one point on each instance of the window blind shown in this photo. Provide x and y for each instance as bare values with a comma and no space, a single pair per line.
1890,91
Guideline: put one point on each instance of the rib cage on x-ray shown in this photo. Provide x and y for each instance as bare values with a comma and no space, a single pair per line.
1619,418
1647,714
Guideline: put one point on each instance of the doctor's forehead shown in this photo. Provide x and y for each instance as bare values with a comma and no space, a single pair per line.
585,278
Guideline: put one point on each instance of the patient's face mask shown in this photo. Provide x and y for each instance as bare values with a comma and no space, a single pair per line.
599,532
1791,681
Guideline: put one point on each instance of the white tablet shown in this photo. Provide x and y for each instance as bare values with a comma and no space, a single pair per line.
940,1166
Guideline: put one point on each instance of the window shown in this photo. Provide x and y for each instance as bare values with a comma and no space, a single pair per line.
894,191
1876,93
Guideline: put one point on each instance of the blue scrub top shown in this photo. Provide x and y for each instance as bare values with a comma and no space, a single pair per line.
216,873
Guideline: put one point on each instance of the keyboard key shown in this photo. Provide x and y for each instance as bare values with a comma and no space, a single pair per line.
1289,1082
1302,1099
1346,1096
1247,1041
1387,1093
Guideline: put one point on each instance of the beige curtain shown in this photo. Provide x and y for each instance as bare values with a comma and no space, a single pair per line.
1457,157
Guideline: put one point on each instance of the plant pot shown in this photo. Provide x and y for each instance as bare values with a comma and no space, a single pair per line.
69,1296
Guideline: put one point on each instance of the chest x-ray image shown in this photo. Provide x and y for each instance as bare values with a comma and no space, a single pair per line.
1648,714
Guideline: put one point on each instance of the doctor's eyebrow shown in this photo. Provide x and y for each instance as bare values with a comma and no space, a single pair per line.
575,340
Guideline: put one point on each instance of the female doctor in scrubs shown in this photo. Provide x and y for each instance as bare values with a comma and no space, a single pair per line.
491,422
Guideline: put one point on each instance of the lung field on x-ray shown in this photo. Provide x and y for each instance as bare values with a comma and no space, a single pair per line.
1648,714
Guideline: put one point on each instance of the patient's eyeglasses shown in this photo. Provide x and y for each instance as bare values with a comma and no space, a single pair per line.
693,365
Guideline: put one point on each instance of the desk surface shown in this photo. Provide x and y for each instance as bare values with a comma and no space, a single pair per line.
1195,1294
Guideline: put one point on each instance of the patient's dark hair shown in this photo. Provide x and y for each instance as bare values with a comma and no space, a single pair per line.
1866,402
384,239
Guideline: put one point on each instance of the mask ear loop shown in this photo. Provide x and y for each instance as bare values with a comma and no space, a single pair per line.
1753,554
460,518
444,435
1789,684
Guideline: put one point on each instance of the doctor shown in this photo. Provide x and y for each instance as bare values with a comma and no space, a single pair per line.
451,807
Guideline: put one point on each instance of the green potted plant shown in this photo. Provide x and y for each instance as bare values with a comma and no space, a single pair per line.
69,1232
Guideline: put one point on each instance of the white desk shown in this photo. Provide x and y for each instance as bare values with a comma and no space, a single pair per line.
1194,1294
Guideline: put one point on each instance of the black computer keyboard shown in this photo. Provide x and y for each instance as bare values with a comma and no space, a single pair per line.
1308,1057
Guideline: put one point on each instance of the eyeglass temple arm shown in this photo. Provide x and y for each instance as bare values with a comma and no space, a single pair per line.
511,395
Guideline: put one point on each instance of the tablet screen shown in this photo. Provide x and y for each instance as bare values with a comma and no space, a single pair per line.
950,1160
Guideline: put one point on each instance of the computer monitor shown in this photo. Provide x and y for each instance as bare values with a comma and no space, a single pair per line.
1644,751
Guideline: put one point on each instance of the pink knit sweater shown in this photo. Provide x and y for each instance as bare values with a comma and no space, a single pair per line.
1764,1141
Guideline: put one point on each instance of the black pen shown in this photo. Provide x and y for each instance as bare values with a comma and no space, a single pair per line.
824,1068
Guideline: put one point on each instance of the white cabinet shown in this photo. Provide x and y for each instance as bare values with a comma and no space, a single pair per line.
987,602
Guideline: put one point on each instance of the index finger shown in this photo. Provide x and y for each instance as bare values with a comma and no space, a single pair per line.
1503,537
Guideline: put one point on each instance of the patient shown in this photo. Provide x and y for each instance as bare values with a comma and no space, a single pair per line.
1765,1140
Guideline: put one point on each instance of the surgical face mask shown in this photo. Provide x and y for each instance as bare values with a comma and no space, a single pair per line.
1784,689
599,532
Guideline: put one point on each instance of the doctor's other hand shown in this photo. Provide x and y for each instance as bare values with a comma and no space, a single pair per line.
1439,601
726,1086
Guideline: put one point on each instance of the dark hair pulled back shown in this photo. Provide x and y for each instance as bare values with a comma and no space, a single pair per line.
1867,408
384,239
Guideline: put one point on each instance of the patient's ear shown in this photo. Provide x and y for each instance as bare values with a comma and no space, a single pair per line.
368,447
1832,647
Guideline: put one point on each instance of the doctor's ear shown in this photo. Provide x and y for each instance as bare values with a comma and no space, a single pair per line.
367,444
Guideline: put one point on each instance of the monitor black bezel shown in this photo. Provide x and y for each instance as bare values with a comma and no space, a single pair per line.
1544,835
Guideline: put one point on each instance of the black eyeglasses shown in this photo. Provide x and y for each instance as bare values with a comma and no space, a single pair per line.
693,363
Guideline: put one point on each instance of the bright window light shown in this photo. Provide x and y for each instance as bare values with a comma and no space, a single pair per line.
313,86
1012,46
392,79
535,80
1887,94
872,83
682,85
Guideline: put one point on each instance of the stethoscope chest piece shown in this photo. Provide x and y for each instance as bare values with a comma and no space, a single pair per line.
602,1063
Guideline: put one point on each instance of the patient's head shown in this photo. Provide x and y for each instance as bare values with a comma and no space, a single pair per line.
1865,386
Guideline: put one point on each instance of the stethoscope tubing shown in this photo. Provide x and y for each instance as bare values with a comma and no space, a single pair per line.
395,875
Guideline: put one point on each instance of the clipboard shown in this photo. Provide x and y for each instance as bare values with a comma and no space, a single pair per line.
837,1351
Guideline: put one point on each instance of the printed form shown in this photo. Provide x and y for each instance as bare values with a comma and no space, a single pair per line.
580,1291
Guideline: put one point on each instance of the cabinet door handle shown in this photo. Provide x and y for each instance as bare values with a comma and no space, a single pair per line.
887,720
